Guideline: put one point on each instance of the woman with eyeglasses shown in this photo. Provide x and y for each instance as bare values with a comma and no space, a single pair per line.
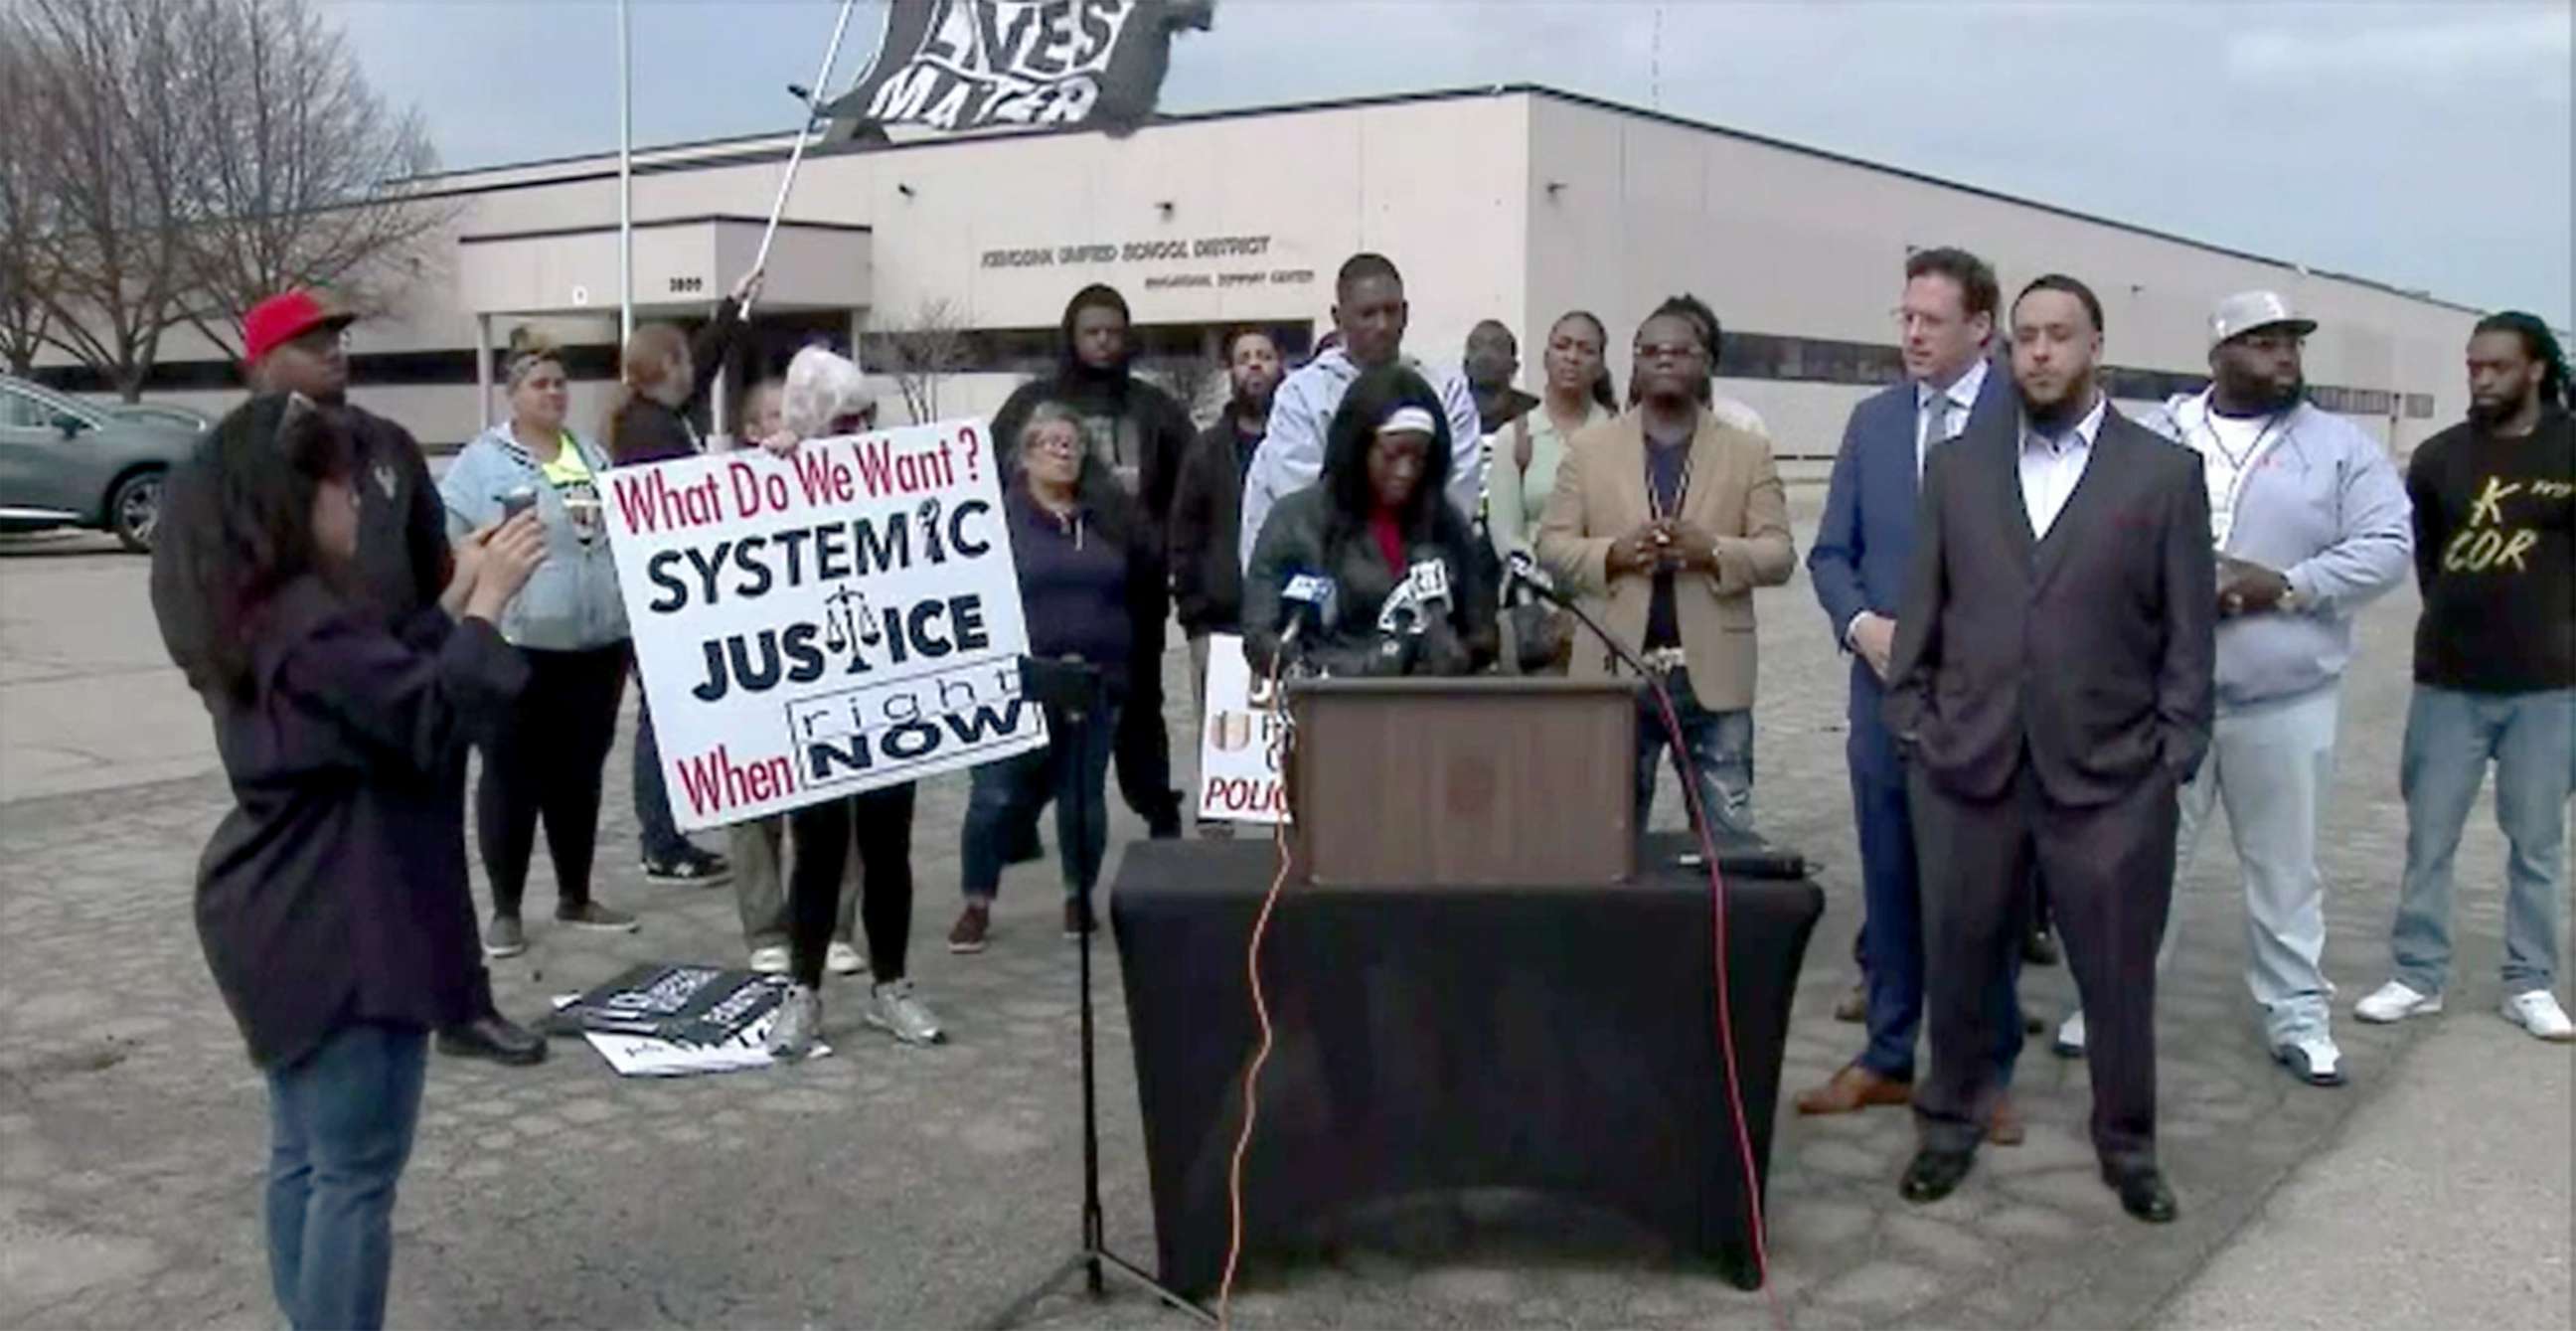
1089,583
332,901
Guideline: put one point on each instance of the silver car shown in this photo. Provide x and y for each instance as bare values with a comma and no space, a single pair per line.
67,463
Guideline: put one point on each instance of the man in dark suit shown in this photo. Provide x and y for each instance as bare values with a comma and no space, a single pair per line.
2052,689
1863,551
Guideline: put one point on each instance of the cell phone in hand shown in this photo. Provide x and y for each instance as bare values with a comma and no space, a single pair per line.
517,502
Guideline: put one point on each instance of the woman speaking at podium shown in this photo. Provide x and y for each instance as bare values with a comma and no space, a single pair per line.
1385,579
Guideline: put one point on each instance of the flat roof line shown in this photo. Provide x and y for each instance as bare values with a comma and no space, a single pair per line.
737,219
782,141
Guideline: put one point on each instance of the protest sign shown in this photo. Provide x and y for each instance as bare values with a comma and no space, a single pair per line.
819,625
1242,743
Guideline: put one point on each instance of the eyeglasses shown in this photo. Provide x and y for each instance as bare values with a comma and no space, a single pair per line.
1668,351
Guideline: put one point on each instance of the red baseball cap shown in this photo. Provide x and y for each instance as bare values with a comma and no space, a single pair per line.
281,319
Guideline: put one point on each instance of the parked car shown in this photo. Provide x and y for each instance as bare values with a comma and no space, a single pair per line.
67,463
161,413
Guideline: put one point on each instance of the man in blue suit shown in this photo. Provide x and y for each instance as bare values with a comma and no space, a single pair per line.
1861,558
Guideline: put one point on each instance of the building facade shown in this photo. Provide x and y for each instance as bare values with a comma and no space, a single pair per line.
1516,203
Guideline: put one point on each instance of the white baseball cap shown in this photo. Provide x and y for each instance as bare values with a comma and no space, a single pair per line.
2248,310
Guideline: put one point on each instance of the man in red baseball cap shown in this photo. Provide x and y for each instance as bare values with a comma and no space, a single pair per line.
295,343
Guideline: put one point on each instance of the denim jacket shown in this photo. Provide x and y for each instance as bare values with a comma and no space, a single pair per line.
571,603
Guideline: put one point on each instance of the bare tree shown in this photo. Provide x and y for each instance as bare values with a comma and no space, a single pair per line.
1198,383
301,170
26,276
921,352
113,149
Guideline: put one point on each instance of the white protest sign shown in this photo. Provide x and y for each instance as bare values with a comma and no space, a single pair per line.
1241,745
823,624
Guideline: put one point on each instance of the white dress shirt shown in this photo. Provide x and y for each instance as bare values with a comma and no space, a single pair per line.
2051,467
1962,399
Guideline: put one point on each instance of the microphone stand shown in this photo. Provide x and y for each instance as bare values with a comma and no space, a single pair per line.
1073,688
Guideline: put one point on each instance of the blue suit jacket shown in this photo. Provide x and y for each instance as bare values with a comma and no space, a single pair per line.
1864,544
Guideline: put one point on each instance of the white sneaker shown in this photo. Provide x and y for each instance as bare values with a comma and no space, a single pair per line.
2396,1002
894,1008
2312,1059
769,960
2537,1011
2070,1036
843,959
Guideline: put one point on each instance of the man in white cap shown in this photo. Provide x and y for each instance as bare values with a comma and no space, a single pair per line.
2310,520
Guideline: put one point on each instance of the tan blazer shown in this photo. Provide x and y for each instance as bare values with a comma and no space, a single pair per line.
1734,493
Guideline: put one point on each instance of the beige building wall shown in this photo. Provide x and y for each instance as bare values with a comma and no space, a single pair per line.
1627,207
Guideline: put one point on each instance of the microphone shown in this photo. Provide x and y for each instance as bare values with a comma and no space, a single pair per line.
1522,573
1308,602
1429,580
1402,612
1524,578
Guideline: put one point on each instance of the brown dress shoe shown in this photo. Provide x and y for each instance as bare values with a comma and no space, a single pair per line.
2004,1127
1852,1089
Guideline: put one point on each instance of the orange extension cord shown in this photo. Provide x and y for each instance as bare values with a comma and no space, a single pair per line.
1261,1055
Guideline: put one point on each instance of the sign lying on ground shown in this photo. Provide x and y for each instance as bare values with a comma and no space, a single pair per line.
665,1020
819,625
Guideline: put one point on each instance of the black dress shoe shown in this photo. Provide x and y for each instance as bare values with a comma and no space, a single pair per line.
1935,1174
494,1037
2143,1194
2040,948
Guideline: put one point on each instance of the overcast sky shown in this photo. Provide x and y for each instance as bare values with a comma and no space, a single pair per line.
2424,145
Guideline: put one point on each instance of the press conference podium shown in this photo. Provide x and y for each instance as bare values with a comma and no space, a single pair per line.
1483,781
1471,981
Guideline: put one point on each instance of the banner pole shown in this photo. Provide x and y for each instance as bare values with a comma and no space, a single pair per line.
625,179
796,156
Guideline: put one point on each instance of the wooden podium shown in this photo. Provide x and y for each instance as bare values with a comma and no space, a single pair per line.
1485,781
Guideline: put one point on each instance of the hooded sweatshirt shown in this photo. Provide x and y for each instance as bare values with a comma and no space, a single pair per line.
1133,429
2318,500
571,603
1292,454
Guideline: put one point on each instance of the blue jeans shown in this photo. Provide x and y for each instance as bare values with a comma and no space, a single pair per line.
1008,794
2450,739
657,830
1891,939
340,1128
1721,748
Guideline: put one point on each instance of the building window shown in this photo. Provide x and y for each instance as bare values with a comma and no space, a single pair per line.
2419,406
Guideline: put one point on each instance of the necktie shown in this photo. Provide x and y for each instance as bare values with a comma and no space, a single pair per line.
1932,428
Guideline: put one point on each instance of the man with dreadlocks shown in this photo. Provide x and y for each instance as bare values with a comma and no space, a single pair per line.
2495,670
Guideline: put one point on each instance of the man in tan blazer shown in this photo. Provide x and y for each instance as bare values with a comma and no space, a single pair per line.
1663,522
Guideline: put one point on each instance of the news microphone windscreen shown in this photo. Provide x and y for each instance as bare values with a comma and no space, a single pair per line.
1310,589
1430,580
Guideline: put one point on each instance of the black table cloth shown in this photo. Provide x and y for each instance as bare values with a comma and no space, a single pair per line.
1432,1038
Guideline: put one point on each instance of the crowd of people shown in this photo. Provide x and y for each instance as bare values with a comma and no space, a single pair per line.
2073,638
